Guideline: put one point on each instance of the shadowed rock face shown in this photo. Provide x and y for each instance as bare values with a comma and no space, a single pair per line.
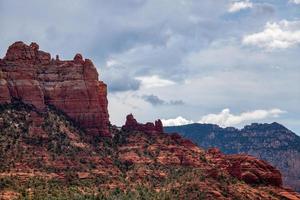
152,128
30,75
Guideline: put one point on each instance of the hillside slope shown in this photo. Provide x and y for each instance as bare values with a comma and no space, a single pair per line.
271,142
45,156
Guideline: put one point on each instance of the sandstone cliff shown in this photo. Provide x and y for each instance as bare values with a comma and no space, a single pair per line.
72,86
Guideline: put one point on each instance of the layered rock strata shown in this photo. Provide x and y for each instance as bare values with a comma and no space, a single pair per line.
33,77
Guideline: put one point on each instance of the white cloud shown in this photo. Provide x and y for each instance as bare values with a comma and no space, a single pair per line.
176,121
154,81
240,5
226,118
111,63
281,35
295,1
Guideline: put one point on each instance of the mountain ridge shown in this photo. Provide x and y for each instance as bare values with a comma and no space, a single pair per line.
271,142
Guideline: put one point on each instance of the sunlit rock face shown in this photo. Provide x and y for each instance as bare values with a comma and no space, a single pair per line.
72,86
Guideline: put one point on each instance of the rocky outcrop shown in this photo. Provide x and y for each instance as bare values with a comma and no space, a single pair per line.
131,124
253,171
270,142
72,86
246,168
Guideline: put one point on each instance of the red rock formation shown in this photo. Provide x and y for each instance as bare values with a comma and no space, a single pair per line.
165,162
246,168
253,171
30,75
152,128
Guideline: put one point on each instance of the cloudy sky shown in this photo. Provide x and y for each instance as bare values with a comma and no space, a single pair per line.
212,61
